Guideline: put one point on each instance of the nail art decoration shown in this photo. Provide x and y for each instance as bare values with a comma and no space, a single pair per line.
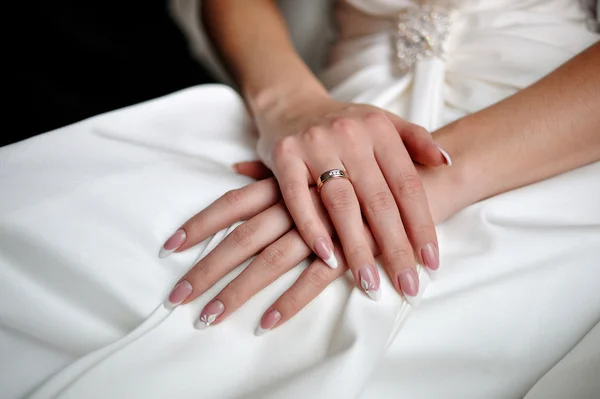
370,283
210,313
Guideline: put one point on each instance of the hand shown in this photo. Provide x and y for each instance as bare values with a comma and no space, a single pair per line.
373,147
269,233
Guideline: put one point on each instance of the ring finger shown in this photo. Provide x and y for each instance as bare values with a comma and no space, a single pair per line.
340,200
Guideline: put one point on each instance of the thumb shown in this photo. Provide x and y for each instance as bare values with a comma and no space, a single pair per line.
419,143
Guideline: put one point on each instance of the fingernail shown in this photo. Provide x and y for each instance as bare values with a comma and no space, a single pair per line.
445,154
409,282
424,280
267,322
369,282
174,242
324,251
430,255
209,314
179,294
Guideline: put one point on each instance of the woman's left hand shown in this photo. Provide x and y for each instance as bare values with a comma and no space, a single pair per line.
268,232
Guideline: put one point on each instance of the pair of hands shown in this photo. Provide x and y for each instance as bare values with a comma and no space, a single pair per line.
377,150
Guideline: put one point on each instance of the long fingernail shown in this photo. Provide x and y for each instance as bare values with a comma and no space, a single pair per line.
267,322
430,255
445,155
325,252
174,242
209,314
179,294
369,282
409,282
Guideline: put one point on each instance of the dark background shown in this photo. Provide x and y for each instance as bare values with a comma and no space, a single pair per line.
80,58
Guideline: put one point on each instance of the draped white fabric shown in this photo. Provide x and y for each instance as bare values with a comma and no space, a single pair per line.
84,210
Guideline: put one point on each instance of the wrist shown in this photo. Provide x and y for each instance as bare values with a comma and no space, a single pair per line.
285,100
451,189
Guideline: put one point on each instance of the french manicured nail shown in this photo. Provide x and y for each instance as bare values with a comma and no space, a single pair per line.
179,294
174,242
409,282
267,322
369,282
325,252
430,255
209,314
445,154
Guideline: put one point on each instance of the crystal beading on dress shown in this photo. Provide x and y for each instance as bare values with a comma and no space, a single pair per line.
420,32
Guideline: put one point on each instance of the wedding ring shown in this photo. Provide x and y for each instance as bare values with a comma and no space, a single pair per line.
331,174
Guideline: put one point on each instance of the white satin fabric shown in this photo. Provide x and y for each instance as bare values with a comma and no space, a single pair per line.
513,312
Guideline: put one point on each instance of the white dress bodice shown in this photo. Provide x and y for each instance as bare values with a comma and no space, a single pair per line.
491,49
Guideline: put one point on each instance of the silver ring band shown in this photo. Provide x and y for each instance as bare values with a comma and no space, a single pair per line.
329,175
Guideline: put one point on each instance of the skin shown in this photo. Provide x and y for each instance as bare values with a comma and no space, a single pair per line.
546,129
304,133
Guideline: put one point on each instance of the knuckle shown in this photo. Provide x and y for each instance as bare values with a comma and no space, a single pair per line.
359,251
342,124
424,230
314,135
284,148
306,228
234,197
243,235
375,118
399,255
409,185
290,302
381,202
317,277
272,257
231,295
339,200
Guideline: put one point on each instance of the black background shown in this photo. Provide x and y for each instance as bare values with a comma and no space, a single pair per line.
79,58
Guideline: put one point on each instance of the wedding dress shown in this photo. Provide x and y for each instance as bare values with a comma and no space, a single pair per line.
513,312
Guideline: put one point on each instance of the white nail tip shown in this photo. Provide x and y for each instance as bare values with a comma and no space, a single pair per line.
165,252
200,325
170,306
331,262
374,295
445,154
260,331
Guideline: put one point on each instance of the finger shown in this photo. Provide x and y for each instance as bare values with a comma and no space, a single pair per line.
233,206
244,242
308,286
275,260
419,143
254,169
293,178
410,196
343,207
381,210
270,264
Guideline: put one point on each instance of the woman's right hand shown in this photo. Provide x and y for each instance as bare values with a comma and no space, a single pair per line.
311,134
